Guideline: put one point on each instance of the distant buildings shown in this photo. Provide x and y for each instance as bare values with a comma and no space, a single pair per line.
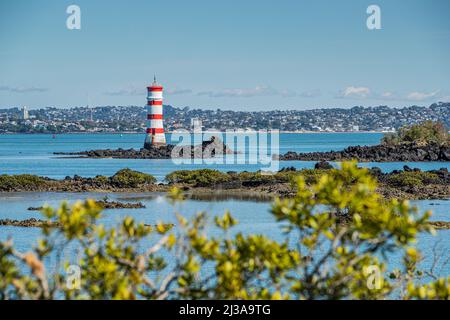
196,125
132,119
25,115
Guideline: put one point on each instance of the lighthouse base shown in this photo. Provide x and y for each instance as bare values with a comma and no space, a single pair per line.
149,146
154,141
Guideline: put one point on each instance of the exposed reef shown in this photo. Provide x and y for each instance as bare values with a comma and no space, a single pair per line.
106,204
122,181
32,222
407,152
412,184
208,149
440,225
37,223
205,183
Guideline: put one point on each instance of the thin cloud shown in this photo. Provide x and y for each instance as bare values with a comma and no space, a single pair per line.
22,89
286,93
422,96
176,91
353,92
311,94
139,91
388,95
129,91
257,91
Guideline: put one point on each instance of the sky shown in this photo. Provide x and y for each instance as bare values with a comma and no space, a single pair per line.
238,55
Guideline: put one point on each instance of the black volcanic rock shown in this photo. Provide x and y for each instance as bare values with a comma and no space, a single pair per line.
323,165
379,153
208,149
32,222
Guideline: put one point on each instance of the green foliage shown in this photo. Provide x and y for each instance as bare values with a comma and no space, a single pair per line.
21,181
439,289
312,176
413,178
337,233
424,133
208,177
256,177
198,178
391,139
102,180
127,178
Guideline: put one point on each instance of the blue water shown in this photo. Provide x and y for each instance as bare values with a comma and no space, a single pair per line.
253,217
33,154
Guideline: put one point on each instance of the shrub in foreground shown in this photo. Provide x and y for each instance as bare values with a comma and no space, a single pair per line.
337,234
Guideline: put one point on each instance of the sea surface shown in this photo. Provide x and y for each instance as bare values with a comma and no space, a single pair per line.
253,217
33,154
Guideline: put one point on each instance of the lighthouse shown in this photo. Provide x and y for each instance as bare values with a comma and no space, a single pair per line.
155,129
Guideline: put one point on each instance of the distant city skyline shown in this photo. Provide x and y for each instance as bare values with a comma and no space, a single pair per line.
252,55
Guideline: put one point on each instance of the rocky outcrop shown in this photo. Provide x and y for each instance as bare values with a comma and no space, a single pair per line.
324,165
379,153
208,149
124,180
440,225
106,204
36,223
409,183
28,223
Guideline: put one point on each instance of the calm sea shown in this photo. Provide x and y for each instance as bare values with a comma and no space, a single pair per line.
34,154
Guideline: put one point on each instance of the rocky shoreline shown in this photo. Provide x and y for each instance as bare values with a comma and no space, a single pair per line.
37,223
124,180
32,222
208,149
106,204
270,191
407,152
412,184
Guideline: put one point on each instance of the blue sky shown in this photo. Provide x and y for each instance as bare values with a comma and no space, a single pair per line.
240,55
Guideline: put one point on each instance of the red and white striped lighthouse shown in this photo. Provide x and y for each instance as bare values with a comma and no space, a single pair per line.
155,129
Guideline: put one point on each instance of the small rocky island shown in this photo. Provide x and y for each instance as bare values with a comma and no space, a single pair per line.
107,204
380,153
427,141
208,149
32,222
409,183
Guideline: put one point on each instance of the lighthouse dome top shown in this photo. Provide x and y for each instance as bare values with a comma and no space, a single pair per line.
155,86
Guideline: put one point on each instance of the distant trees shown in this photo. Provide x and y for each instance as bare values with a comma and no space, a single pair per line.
337,233
428,132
